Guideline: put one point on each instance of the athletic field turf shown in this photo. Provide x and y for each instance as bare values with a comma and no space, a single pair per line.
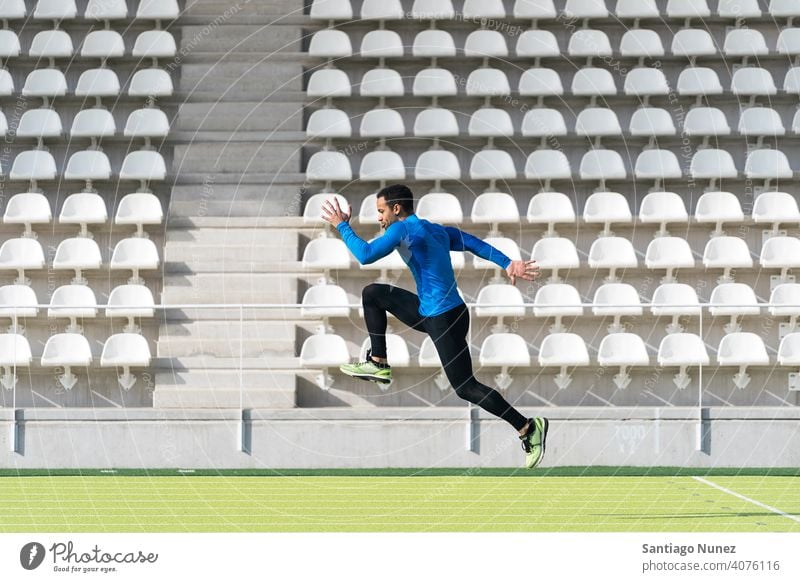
564,499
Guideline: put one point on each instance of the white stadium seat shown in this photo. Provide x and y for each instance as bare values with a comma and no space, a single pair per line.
103,44
396,350
331,10
713,164
437,165
436,122
328,123
688,9
381,44
487,82
789,41
761,121
742,349
775,208
158,83
73,302
557,300
499,300
155,44
781,252
34,165
785,300
546,165
485,43
381,10
15,352
326,83
652,122
563,350
55,10
766,164
791,82
662,208
147,122
682,350
88,165
789,350
657,165
636,9
540,83
745,42
784,8
130,301
550,208
440,207
312,213
329,43
382,122
40,123
597,122
322,301
675,300
717,208
670,253
612,253
47,83
593,82
434,82
589,43
17,301
99,83
624,350
492,165
382,165
693,42
734,300
126,350
77,254
66,350
727,252
506,350
94,123
739,9
490,122
616,300
505,245
606,208
483,9
585,9
699,81
27,208
600,164
537,44
428,356
326,253
106,10
381,82
135,254
433,10
641,43
9,44
544,123
21,254
753,82
323,350
328,166
368,212
534,9
555,253
6,83
83,208
51,44
495,208
645,81
433,44
144,166
12,9
157,10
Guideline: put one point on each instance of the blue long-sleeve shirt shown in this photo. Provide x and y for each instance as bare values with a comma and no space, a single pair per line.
425,247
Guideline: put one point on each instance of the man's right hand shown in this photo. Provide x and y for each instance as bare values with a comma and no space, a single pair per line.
333,213
527,270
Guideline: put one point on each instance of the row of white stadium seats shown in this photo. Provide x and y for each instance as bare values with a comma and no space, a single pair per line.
78,254
383,122
46,123
609,252
584,43
51,83
542,82
83,208
566,350
102,44
546,164
610,300
546,10
606,208
91,165
95,10
72,350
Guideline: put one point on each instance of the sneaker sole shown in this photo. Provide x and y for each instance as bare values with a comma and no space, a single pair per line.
546,425
368,377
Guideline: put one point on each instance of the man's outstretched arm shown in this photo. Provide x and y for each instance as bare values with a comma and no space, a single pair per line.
365,252
463,241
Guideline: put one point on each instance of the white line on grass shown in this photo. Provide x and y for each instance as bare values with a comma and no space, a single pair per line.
744,498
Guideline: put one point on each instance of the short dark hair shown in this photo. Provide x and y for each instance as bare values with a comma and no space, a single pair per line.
398,194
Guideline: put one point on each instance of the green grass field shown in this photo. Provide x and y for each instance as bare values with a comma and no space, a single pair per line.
564,500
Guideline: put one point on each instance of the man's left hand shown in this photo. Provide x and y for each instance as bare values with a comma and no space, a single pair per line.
527,270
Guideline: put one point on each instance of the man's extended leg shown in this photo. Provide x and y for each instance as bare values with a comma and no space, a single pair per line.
449,334
378,299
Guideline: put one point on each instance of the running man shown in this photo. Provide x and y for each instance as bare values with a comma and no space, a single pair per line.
439,310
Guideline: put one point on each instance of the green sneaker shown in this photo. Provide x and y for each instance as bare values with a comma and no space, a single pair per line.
368,370
533,443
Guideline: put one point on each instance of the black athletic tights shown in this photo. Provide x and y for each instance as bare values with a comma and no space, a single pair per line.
449,334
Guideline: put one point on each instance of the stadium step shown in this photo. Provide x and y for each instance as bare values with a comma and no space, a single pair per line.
240,79
215,288
239,38
228,257
255,157
221,339
201,388
242,116
220,11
